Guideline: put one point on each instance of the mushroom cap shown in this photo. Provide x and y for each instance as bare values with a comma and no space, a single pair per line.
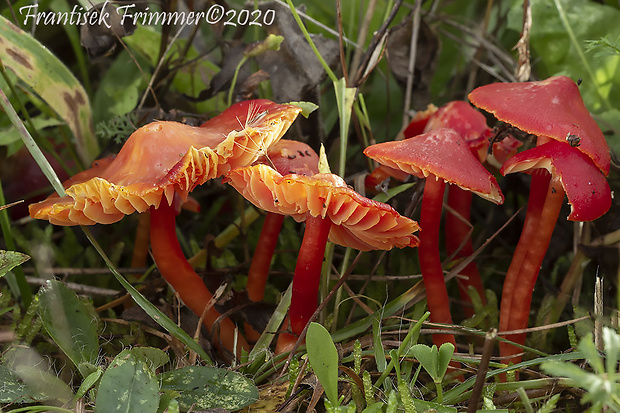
358,222
552,108
585,186
164,158
291,157
418,123
442,153
467,122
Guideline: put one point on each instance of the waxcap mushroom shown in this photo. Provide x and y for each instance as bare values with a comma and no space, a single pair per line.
164,158
443,153
548,108
585,186
358,222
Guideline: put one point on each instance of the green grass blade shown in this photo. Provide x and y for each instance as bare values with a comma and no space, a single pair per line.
153,312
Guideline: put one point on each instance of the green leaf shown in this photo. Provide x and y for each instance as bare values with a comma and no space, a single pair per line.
120,88
345,96
611,341
323,358
14,390
392,192
445,355
69,323
587,346
11,134
306,107
428,358
89,382
210,388
378,345
153,356
10,260
34,371
36,66
128,385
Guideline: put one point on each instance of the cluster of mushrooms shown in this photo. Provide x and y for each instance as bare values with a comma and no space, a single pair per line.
570,157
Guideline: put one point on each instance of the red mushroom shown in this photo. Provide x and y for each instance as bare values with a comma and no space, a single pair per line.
161,161
287,157
471,125
440,156
331,211
570,172
551,109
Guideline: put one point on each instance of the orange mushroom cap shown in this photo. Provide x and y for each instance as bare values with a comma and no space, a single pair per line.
586,188
442,153
552,108
359,222
164,158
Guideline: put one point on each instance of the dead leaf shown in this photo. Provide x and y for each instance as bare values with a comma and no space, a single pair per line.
427,53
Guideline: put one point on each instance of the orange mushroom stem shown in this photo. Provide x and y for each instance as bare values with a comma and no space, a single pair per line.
179,273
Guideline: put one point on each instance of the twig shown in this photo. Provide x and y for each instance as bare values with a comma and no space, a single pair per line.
413,48
487,350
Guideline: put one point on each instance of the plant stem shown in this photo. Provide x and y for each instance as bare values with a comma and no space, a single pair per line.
261,260
537,246
430,264
177,271
308,272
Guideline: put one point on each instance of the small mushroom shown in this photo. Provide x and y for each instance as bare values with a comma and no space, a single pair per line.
331,211
472,127
551,109
570,172
440,156
164,160
286,156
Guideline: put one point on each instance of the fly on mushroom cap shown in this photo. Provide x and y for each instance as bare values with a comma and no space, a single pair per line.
586,188
442,153
359,222
551,108
162,158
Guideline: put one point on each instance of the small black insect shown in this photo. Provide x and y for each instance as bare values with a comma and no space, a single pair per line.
573,140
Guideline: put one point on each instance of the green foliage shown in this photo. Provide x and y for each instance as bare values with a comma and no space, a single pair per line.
603,383
323,358
10,260
128,385
70,324
35,65
210,388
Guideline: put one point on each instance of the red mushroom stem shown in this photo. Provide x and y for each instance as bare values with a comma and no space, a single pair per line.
537,239
538,187
307,275
458,242
178,272
430,263
261,261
